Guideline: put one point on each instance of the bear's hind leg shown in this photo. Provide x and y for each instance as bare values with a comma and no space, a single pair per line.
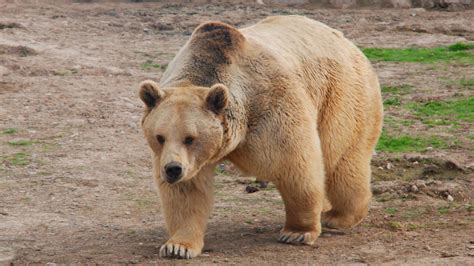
186,208
348,190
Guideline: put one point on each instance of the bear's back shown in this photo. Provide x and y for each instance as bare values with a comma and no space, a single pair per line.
295,38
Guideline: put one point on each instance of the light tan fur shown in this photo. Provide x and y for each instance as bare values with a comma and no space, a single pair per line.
288,100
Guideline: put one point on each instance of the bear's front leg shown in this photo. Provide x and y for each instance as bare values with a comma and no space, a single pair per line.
186,208
303,195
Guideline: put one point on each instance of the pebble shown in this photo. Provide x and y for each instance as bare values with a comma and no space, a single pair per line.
251,189
450,198
389,166
414,188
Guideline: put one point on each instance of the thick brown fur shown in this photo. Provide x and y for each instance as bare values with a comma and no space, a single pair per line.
288,100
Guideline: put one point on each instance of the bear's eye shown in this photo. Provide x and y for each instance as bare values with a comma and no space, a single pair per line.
160,139
188,140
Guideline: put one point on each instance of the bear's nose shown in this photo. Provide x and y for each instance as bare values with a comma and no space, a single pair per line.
173,171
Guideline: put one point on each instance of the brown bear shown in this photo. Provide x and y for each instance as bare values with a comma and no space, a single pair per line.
288,100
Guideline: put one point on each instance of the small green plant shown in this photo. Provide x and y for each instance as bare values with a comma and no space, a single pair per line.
443,210
391,211
467,82
395,226
21,142
470,207
395,101
456,52
17,159
400,90
9,131
413,227
149,65
405,143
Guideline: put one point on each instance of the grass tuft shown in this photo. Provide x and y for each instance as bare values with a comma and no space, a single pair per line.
9,131
400,90
452,110
394,101
149,65
391,211
405,143
456,52
21,142
17,159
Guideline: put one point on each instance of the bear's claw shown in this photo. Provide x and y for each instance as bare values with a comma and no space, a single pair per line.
306,238
177,251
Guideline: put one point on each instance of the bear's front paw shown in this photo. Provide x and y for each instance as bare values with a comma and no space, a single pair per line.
178,250
290,237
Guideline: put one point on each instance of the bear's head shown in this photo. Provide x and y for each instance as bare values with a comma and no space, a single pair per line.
184,127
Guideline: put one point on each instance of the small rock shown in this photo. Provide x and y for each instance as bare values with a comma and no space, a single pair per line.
263,184
251,189
414,188
389,166
450,198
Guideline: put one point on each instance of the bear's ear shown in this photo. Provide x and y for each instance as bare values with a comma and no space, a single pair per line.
217,98
150,93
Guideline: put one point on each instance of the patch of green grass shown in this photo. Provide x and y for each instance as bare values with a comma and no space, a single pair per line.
394,101
395,226
461,46
9,131
400,90
467,82
470,207
443,210
406,143
21,142
451,110
456,52
414,227
149,65
17,159
391,211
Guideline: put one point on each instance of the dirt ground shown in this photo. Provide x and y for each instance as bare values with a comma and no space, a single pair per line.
75,171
